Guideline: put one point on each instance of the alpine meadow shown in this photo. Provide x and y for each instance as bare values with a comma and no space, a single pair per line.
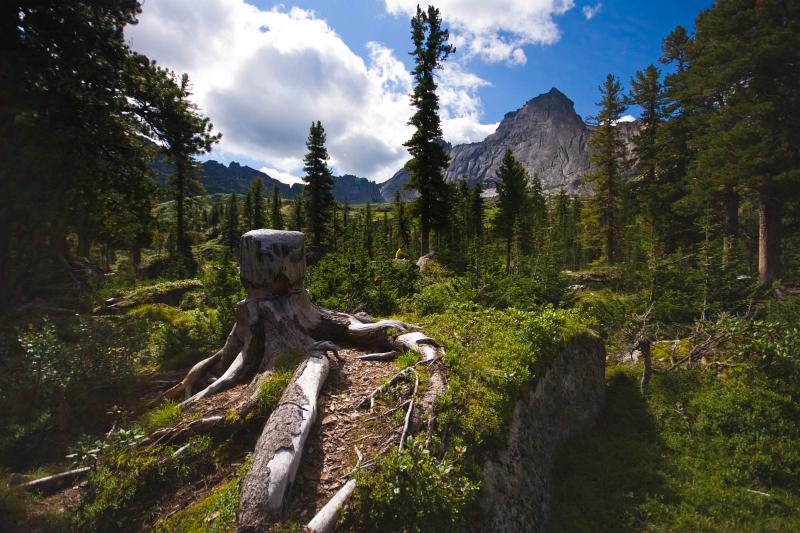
513,266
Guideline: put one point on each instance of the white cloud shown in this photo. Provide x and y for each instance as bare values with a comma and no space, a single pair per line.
496,31
626,118
264,76
279,175
590,11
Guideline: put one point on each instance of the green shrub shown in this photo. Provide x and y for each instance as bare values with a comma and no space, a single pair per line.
129,480
414,491
177,338
358,283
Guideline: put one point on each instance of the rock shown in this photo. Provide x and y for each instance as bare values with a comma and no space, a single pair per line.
546,135
427,261
566,400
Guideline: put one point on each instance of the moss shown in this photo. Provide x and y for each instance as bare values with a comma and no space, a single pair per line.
163,292
129,480
492,356
165,415
214,513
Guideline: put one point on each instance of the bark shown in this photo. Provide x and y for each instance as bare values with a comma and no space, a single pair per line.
279,317
769,239
730,228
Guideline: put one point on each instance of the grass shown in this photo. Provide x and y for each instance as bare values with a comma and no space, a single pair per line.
165,415
698,454
215,513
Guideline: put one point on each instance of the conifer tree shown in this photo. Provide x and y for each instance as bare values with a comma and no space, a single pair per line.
247,211
186,133
745,56
654,191
402,231
276,216
512,195
256,204
368,232
232,232
608,161
317,193
428,156
297,221
477,211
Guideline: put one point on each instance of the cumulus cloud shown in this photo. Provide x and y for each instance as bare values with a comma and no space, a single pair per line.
264,76
280,175
589,11
495,31
627,118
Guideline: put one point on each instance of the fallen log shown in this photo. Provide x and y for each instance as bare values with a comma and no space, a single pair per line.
52,483
279,450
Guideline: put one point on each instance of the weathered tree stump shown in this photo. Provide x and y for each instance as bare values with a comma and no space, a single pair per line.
275,318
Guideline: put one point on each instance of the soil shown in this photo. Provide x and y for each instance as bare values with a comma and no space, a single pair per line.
344,427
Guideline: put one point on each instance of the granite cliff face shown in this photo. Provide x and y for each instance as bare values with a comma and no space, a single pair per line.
546,135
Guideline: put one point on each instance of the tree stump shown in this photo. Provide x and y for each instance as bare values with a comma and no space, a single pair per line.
277,317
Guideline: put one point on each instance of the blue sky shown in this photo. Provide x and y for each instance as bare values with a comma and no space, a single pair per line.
262,71
623,36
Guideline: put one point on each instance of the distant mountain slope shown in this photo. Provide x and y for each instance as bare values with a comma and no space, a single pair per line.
355,190
546,135
397,183
218,178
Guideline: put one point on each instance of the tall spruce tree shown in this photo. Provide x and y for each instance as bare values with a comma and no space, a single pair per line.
609,163
276,216
746,55
402,231
512,199
317,193
297,220
256,194
477,211
232,230
187,133
428,156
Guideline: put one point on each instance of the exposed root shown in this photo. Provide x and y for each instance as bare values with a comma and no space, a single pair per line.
410,410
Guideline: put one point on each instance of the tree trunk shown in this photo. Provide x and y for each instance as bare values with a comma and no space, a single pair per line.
730,223
769,239
426,240
180,194
508,254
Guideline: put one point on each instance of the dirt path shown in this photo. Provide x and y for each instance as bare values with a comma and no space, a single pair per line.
342,426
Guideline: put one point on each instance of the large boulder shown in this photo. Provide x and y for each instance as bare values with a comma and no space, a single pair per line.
566,400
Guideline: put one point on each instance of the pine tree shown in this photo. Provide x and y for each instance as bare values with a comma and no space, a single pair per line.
232,232
477,211
186,134
247,211
256,204
428,156
402,232
276,216
297,221
608,161
512,196
319,184
368,231
744,56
